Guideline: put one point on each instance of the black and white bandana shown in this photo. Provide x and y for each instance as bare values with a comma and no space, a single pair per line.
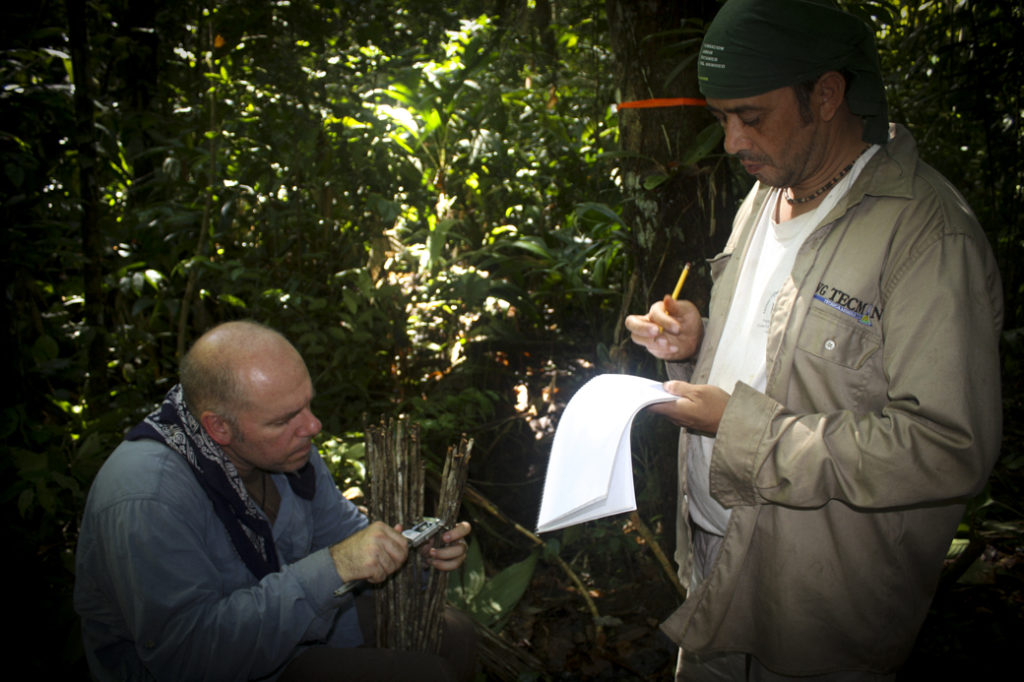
174,426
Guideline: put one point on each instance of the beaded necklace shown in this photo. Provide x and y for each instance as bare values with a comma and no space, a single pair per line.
788,193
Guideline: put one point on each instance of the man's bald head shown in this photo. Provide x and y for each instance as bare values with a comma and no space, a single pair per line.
216,372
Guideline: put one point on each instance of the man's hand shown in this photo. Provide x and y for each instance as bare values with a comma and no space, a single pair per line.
699,407
671,330
453,553
372,554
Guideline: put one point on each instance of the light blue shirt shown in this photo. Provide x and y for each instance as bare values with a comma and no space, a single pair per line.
164,595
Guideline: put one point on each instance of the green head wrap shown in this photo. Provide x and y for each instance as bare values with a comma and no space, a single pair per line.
755,46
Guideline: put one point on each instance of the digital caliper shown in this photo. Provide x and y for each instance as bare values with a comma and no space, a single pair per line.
417,535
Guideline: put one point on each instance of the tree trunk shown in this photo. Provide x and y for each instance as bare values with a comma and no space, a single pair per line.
681,205
88,163
679,209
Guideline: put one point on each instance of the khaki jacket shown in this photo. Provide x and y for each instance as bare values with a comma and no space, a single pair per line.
881,418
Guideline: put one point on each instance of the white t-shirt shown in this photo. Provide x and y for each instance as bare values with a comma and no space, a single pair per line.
742,351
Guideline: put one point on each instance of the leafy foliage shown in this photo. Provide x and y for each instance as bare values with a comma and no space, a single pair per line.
954,78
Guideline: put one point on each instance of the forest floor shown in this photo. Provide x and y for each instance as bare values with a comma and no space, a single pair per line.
975,626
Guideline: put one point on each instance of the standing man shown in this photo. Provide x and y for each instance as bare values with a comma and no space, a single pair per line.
841,403
214,537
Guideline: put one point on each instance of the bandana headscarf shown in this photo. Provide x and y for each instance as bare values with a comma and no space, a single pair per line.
755,46
174,426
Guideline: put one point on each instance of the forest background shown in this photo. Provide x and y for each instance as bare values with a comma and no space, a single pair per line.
442,206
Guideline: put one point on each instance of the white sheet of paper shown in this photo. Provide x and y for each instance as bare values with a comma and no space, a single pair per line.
590,472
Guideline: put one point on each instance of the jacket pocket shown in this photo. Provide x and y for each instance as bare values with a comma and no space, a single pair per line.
827,335
837,365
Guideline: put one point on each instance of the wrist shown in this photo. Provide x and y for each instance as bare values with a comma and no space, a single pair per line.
341,566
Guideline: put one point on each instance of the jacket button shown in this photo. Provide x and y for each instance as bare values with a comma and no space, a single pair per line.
830,345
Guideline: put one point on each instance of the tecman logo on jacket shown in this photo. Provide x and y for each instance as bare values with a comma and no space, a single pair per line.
862,311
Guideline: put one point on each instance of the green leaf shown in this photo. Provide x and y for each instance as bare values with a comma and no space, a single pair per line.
465,584
25,501
654,180
489,601
436,240
30,464
602,210
45,349
231,300
501,593
957,547
706,142
535,246
432,119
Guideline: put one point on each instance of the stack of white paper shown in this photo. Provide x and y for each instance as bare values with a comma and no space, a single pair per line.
590,473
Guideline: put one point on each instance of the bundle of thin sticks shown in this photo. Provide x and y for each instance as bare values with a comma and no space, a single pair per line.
410,604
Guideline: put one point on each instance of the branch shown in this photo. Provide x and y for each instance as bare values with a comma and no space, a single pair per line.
659,553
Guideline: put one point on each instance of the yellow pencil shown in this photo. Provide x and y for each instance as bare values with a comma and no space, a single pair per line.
682,279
